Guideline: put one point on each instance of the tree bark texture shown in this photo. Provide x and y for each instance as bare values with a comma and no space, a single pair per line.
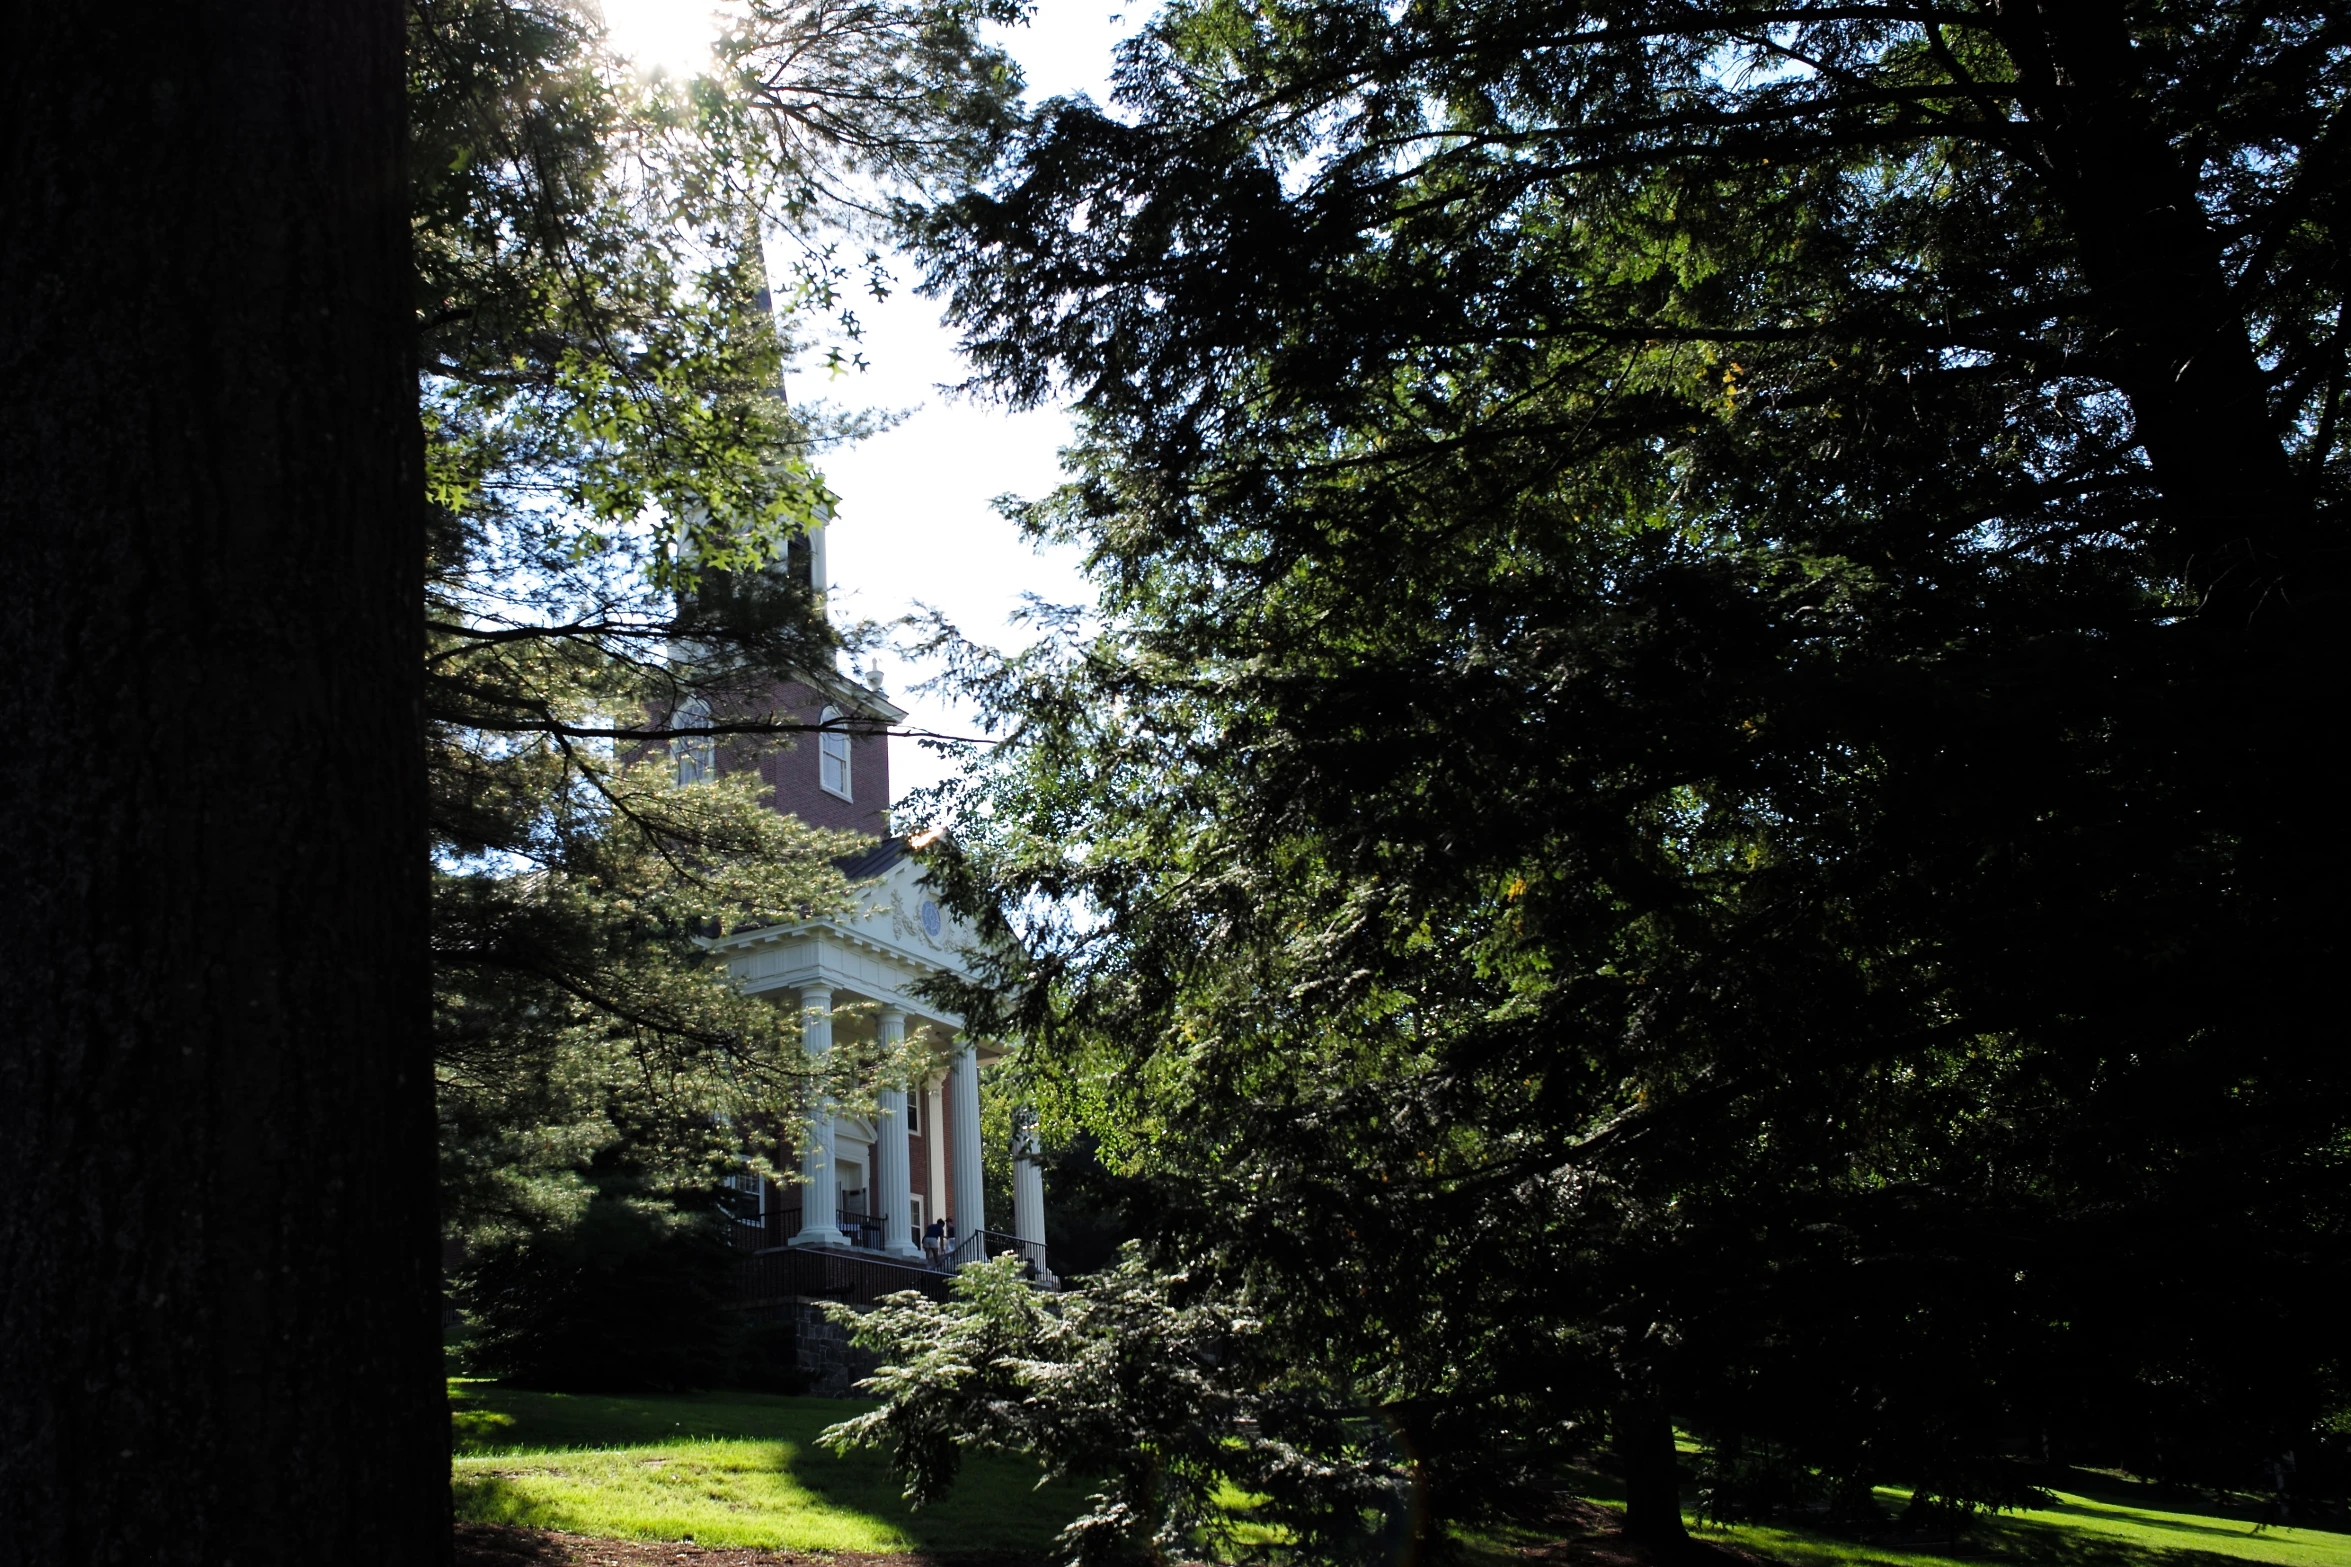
1641,1432
218,1273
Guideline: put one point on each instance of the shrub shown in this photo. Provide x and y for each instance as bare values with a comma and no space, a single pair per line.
632,1298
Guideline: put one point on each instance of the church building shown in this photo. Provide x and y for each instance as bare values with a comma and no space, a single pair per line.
871,1179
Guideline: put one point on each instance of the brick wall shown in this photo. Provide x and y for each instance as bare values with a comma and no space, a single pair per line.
793,774
918,1163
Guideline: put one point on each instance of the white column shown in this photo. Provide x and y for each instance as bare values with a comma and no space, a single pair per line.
820,1197
1028,1198
934,1143
890,1171
963,1110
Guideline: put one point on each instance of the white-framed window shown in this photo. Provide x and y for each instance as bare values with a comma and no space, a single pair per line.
832,755
696,756
914,1112
749,1193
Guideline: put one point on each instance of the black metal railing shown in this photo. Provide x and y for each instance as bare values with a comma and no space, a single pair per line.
854,1278
780,1224
869,1230
858,1271
995,1243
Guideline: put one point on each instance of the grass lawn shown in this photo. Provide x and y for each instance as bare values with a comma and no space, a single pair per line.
2077,1532
2105,1523
728,1469
743,1469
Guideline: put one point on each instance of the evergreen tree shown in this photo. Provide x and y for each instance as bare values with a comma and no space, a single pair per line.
1687,797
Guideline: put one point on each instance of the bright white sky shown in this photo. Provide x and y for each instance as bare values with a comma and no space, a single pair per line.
915,525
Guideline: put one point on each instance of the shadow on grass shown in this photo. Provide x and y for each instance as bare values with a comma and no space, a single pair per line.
2029,1541
2032,1540
2041,1540
487,1545
731,1468
2113,1490
487,1418
494,1499
2189,1528
996,1501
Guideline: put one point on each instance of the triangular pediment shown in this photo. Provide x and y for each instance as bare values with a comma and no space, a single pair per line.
897,909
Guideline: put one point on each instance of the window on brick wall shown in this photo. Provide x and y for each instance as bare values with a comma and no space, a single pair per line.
745,1199
832,755
695,755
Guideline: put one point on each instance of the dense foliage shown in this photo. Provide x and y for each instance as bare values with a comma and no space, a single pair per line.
1688,799
1160,1397
624,1299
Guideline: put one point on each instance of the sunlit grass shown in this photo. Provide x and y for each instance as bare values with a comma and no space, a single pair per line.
1252,1537
2078,1531
2124,1524
732,1469
743,1469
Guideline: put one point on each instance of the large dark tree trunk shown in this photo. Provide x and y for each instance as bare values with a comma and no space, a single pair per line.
2229,699
1641,1432
2240,525
218,1291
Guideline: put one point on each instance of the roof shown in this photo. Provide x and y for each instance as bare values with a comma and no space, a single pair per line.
856,695
874,861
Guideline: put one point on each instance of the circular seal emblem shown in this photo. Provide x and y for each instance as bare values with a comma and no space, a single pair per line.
931,923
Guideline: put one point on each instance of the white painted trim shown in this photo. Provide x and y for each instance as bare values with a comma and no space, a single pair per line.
834,746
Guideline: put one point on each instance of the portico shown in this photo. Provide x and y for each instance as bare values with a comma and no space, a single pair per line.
872,1177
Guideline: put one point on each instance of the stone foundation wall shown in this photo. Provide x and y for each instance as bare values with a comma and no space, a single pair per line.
822,1353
